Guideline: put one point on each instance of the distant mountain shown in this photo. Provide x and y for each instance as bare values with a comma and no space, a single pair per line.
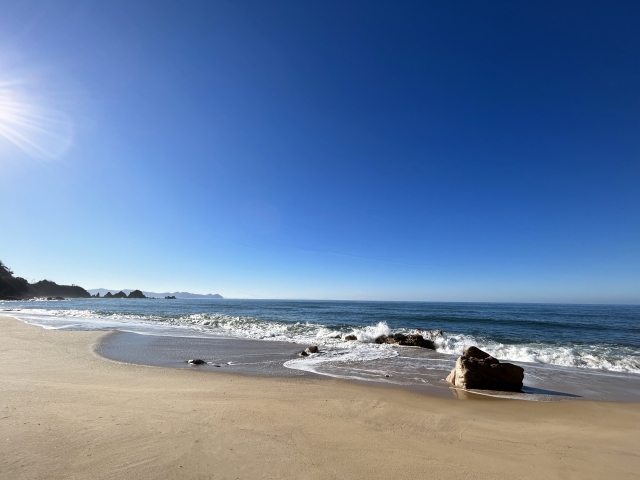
185,295
103,292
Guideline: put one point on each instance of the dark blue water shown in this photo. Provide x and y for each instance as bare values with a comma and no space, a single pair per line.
590,336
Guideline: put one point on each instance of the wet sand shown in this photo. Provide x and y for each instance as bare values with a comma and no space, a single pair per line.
252,357
66,412
415,369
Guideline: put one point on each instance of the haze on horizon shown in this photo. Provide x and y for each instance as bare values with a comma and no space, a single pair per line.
324,150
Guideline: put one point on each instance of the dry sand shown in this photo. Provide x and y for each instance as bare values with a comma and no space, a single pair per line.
67,413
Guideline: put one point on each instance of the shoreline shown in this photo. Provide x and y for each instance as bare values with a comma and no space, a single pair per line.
67,412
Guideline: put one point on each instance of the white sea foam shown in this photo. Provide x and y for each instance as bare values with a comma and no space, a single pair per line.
602,357
346,355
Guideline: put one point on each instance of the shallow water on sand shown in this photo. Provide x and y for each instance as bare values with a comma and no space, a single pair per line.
413,368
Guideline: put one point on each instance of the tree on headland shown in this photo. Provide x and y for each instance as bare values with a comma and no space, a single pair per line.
12,288
4,270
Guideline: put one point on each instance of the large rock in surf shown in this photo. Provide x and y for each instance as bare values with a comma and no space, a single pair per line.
196,361
349,338
479,370
413,340
417,341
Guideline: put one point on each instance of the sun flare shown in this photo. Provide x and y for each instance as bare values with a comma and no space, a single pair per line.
31,124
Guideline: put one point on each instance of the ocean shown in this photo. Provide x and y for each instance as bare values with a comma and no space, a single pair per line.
588,344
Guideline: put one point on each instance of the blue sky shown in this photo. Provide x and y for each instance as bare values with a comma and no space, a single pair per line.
332,150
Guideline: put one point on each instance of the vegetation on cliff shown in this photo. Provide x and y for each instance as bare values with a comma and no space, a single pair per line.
12,288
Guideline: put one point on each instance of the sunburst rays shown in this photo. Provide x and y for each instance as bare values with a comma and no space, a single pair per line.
31,124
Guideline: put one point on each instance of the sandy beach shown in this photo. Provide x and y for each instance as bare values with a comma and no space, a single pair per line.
65,412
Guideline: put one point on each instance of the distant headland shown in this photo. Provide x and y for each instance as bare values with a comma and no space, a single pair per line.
18,288
104,292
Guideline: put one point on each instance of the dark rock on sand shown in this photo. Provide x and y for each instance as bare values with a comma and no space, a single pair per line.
308,351
478,370
196,361
350,338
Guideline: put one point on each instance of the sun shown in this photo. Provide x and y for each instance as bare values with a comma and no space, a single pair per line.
31,124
